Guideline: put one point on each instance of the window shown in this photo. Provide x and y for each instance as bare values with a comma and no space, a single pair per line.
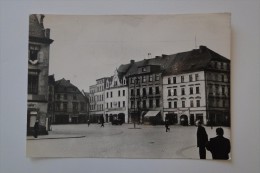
170,104
169,80
150,103
196,77
118,93
183,91
123,103
82,106
119,104
175,92
217,90
150,90
144,103
132,80
169,92
157,91
191,90
123,92
65,97
174,80
74,97
223,90
224,103
75,106
144,79
197,90
33,51
198,103
221,65
191,103
144,91
132,92
58,96
222,78
143,69
65,106
111,105
182,79
138,92
33,81
132,104
190,77
111,94
150,78
157,77
216,77
183,104
107,105
58,106
157,103
175,104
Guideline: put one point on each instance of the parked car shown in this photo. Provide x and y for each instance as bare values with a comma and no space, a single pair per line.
117,122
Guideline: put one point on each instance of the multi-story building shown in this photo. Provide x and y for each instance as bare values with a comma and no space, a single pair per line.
97,100
145,89
70,104
116,96
38,69
51,100
197,87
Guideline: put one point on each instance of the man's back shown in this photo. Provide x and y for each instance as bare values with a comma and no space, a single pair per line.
219,147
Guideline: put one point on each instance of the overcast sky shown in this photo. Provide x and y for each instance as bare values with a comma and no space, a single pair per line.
86,48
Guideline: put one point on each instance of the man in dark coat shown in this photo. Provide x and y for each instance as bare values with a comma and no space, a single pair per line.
167,125
202,139
36,129
219,146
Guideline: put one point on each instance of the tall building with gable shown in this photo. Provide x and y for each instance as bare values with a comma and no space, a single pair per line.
38,69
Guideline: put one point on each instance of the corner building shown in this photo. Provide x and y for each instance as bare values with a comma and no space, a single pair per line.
197,87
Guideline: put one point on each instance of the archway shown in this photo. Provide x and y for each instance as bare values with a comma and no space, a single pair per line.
121,117
184,120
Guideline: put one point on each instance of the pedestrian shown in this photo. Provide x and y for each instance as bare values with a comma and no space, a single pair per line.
202,139
167,126
88,122
219,146
102,121
36,129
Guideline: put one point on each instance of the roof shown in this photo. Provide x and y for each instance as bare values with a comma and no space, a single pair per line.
64,83
194,60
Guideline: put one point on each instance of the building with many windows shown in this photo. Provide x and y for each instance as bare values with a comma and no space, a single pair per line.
71,105
146,90
197,87
38,69
97,100
116,96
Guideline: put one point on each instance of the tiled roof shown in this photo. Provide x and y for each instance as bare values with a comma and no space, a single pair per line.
193,60
35,28
64,83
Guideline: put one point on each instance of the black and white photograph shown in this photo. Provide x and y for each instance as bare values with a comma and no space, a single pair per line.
129,86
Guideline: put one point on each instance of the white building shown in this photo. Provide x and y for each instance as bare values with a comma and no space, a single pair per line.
197,87
116,98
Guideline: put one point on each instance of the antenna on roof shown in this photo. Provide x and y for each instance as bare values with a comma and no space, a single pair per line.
195,42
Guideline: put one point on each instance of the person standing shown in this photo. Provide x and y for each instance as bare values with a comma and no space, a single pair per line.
202,139
88,122
36,129
102,121
219,146
167,126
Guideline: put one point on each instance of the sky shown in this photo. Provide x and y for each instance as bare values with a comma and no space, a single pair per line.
89,47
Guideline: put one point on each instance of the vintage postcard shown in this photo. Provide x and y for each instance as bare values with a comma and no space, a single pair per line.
129,86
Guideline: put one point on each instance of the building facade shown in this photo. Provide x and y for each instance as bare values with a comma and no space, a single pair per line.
70,104
197,87
116,98
38,69
97,100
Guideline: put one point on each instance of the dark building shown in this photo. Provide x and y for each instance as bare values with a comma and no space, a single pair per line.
145,89
51,100
71,105
38,69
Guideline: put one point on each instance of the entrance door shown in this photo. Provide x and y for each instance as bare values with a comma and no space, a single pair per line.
184,120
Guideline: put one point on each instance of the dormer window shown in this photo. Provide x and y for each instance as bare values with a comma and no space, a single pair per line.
143,69
33,51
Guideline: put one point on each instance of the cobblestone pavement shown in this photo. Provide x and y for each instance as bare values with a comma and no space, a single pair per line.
124,141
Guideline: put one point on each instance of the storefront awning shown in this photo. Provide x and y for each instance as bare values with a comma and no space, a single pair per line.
151,113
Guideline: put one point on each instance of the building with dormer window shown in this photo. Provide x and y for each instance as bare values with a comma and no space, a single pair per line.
197,87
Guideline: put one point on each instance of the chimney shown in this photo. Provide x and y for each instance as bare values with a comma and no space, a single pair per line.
202,49
132,61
